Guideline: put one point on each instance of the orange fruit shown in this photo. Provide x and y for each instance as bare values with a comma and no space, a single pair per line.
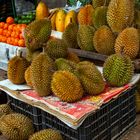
0,38
2,24
20,36
10,20
5,32
10,27
12,40
21,43
8,34
17,33
4,38
1,31
16,41
13,34
5,26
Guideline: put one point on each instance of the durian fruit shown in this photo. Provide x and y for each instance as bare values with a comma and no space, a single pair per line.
98,3
120,14
90,77
128,40
73,57
56,48
16,126
5,109
66,86
27,76
36,33
99,16
85,15
71,17
42,10
85,37
16,69
30,55
42,69
70,35
67,65
46,134
60,20
104,40
118,69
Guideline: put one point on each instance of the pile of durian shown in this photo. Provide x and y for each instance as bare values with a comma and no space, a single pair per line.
50,68
16,126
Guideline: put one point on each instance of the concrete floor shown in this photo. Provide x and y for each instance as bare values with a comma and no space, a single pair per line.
133,134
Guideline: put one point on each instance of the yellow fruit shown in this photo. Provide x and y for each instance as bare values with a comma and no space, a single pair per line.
120,14
42,10
60,20
128,42
85,15
53,18
71,17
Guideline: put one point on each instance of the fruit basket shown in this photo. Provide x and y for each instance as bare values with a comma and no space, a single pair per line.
110,122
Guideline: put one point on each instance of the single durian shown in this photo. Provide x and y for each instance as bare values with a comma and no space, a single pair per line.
118,69
120,14
42,68
46,134
16,69
73,57
66,86
104,40
56,48
98,3
85,37
70,35
5,109
84,15
16,126
27,76
30,55
99,17
37,33
90,77
63,64
128,42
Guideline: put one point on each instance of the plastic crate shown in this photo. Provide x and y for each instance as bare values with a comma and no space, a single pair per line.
3,97
110,122
28,110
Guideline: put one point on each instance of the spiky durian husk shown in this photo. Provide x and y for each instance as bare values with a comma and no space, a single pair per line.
128,42
5,109
104,40
120,14
67,65
98,3
37,33
16,69
99,16
66,86
73,57
42,69
70,35
56,48
16,126
118,69
90,77
46,134
27,76
85,37
30,55
84,15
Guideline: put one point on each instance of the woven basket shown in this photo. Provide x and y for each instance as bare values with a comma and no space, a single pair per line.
137,102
